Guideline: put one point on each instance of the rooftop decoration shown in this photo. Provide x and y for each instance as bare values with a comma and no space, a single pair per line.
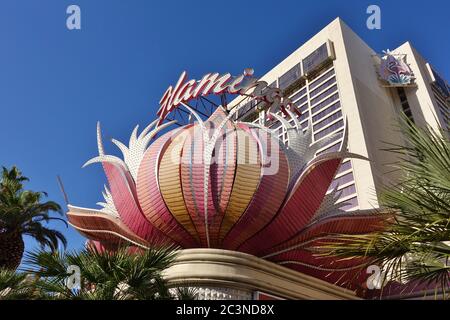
394,70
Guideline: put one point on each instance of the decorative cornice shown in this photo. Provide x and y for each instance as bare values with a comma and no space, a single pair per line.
231,269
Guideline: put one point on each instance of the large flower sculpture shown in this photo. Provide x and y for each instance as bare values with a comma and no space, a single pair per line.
225,184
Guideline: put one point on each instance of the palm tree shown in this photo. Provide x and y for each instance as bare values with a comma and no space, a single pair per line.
15,286
415,247
22,212
108,275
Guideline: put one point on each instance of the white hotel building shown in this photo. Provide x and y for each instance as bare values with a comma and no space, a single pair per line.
333,77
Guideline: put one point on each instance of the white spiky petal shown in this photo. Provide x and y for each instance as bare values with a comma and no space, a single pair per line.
134,153
101,153
108,206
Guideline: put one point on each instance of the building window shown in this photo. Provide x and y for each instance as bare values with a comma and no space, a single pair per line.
349,204
404,103
303,107
441,85
325,102
347,191
324,94
328,120
329,129
338,135
299,94
289,77
301,101
333,148
346,178
315,59
344,167
326,84
444,108
246,108
303,116
327,111
318,81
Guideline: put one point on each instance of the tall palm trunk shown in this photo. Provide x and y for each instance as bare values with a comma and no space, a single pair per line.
11,250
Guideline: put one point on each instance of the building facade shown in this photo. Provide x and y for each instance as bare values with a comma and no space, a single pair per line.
333,78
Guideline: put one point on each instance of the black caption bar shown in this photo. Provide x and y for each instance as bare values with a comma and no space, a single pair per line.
261,310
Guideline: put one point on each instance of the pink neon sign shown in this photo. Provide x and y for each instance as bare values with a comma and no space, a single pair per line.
214,83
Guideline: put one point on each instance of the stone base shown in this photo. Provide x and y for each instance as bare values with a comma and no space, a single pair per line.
222,275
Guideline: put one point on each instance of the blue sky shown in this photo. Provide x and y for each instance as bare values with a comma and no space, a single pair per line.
55,83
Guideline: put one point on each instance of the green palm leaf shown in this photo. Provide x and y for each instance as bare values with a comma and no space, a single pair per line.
415,244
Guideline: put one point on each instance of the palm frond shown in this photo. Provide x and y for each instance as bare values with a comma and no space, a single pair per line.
414,247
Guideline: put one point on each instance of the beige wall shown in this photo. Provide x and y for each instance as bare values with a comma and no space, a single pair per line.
421,99
374,114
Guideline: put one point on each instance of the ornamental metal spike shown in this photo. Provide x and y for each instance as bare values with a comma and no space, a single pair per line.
106,158
148,137
123,148
345,137
195,114
147,129
290,130
259,126
101,150
294,117
133,136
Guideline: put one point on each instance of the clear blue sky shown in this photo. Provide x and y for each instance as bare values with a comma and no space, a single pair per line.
55,83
